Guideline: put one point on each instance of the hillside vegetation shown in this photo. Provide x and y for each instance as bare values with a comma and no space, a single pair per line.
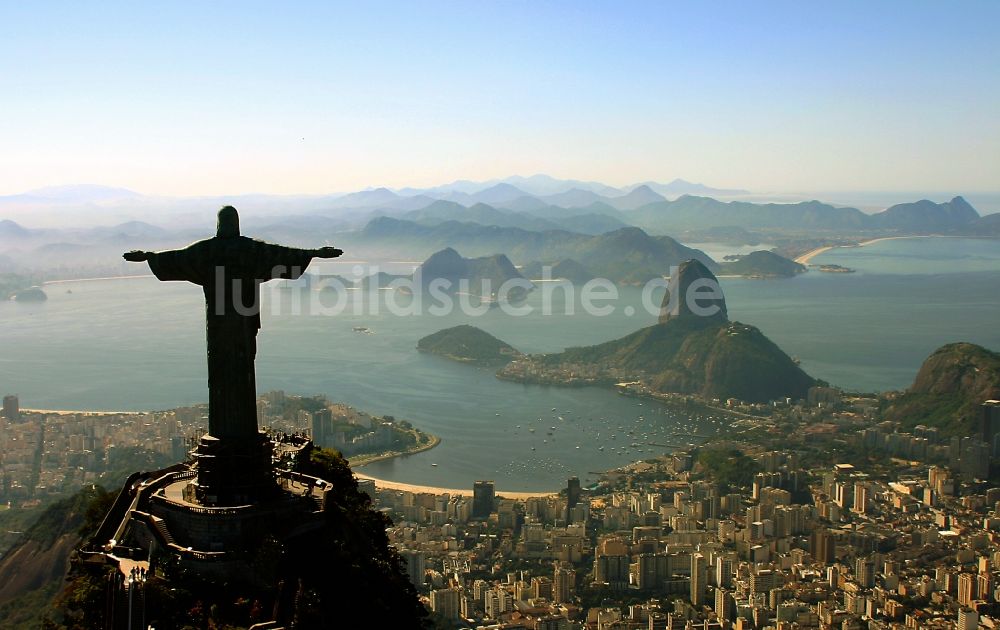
693,349
949,388
763,264
468,344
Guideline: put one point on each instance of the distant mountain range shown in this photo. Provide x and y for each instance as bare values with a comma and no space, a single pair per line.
584,222
584,211
553,219
627,255
926,215
694,213
482,276
539,203
543,185
68,205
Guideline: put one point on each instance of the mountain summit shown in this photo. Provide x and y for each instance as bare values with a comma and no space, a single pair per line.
694,294
949,388
925,215
694,349
484,276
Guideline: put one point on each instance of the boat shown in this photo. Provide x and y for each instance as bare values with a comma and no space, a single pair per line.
435,465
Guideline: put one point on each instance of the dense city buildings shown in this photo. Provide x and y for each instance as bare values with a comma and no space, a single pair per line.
811,516
810,520
44,454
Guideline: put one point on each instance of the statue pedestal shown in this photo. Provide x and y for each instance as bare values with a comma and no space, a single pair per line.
158,515
233,470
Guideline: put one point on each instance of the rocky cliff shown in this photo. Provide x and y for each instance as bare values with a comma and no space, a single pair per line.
949,388
694,349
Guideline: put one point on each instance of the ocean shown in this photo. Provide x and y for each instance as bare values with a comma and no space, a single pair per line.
138,344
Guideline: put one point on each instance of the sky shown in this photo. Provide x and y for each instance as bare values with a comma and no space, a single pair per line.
195,98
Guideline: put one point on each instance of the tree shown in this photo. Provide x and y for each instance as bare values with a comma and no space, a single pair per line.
352,562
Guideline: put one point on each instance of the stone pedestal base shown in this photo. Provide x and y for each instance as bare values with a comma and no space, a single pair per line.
234,471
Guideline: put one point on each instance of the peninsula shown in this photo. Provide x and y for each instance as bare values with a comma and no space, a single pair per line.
686,352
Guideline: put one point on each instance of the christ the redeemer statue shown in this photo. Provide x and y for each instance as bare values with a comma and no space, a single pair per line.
230,269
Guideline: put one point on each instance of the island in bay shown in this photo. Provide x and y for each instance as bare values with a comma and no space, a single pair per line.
468,344
706,356
761,264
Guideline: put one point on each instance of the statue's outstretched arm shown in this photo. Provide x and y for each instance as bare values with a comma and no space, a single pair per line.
189,264
327,252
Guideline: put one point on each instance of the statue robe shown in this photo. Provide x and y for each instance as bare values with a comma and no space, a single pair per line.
230,271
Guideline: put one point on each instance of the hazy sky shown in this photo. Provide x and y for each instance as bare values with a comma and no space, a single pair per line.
212,97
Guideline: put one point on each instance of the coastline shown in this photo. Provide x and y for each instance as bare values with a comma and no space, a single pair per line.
411,487
67,412
431,443
806,257
70,280
434,441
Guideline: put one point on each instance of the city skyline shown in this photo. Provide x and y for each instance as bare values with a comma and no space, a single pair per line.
227,99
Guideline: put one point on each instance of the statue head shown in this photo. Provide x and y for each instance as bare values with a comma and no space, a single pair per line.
229,223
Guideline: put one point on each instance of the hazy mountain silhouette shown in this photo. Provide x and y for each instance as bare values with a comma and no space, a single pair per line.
625,255
638,197
483,214
575,198
484,276
925,215
682,187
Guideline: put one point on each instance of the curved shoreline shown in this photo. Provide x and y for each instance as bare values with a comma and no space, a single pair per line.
806,257
434,441
412,487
